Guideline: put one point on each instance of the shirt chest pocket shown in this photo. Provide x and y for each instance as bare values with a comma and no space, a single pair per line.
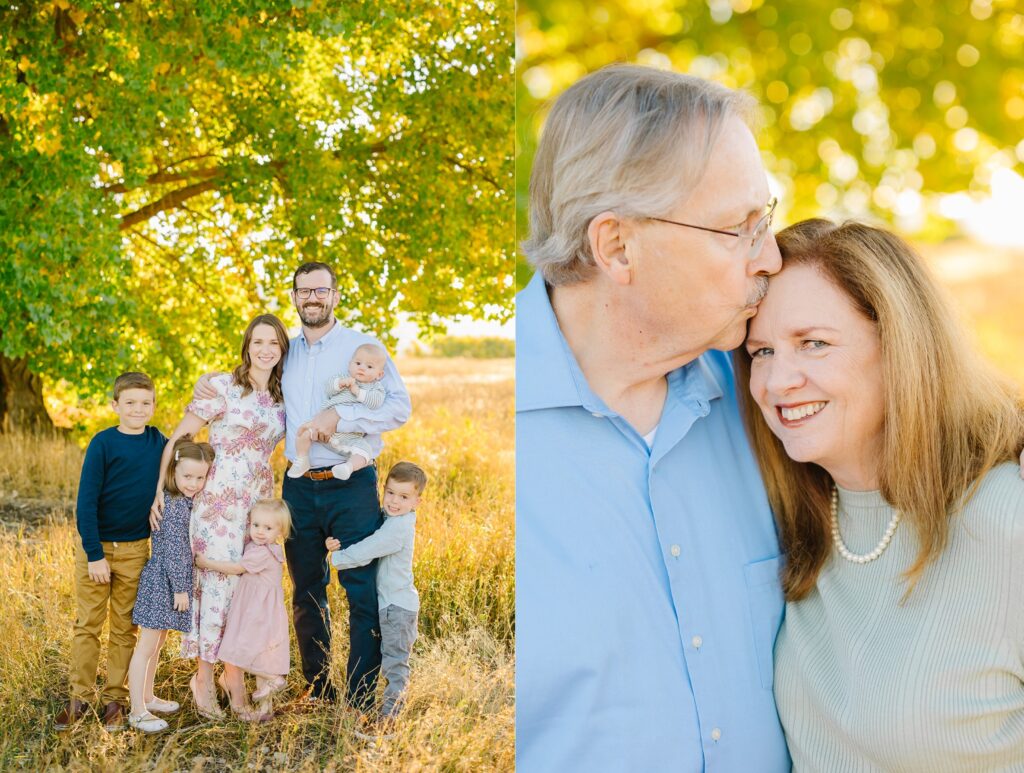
764,595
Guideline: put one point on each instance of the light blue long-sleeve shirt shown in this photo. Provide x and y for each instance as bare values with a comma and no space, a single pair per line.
393,544
308,368
647,580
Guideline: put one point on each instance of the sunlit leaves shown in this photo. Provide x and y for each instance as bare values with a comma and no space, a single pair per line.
167,165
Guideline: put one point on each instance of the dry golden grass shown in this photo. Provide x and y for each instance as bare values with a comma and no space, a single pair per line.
459,714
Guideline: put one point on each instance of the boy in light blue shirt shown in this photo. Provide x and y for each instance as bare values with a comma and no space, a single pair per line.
398,601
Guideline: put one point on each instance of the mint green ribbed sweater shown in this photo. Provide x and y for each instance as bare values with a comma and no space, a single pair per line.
863,684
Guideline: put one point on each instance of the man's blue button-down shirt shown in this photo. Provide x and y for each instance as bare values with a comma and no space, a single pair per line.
306,372
647,580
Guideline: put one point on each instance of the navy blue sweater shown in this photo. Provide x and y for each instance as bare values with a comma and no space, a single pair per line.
118,484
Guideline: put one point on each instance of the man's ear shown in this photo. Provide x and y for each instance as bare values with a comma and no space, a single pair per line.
608,246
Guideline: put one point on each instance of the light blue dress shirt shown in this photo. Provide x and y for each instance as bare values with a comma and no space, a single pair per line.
308,368
647,580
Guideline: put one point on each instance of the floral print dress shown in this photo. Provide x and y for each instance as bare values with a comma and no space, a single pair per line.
243,432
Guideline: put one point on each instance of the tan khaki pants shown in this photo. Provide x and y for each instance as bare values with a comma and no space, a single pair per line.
126,560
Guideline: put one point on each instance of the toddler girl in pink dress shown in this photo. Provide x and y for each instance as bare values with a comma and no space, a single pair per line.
256,631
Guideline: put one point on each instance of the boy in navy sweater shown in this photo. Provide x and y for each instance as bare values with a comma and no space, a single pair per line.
119,476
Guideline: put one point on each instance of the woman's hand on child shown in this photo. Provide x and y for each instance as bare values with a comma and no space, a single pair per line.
99,571
181,602
201,560
332,544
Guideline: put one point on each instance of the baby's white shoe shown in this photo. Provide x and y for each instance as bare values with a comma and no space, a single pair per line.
342,471
300,468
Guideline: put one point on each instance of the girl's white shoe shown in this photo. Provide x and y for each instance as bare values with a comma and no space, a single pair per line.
161,706
147,723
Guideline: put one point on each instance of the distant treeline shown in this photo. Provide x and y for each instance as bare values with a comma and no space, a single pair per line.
488,347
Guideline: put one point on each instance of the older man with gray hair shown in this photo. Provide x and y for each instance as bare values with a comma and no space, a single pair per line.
648,595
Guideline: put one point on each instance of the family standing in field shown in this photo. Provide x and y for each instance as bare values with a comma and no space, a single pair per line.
808,554
213,567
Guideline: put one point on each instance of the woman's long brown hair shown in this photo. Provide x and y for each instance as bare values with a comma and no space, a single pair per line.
949,417
240,375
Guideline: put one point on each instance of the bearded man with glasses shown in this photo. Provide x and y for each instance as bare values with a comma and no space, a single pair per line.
647,562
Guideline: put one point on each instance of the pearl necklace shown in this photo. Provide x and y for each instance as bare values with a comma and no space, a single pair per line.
841,546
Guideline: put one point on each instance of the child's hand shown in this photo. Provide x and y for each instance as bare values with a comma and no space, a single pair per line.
344,383
332,544
204,389
156,512
181,602
354,388
201,561
99,571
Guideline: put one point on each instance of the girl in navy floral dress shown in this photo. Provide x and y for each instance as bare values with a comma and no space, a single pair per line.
165,587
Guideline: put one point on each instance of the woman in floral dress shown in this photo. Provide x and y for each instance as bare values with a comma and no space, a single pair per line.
246,423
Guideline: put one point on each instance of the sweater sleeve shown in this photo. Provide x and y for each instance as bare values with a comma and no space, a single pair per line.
1017,581
177,557
87,508
215,407
388,539
372,395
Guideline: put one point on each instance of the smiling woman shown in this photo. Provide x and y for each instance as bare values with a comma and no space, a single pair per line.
246,419
888,450
816,374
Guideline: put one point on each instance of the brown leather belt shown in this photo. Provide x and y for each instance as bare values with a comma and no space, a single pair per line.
325,474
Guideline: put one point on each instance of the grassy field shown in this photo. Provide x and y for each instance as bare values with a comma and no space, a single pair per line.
460,707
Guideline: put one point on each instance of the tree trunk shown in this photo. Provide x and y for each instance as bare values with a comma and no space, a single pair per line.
21,397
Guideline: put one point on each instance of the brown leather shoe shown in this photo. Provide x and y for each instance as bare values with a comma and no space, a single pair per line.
73,711
113,717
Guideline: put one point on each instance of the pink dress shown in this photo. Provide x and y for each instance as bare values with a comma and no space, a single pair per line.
256,634
243,432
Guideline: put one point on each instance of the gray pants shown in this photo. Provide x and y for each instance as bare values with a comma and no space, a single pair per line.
397,633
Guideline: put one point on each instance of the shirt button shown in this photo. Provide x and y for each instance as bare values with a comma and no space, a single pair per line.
716,734
675,551
596,415
696,641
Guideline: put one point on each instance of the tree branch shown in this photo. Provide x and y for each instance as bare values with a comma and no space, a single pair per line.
181,161
158,178
473,171
169,260
380,147
170,201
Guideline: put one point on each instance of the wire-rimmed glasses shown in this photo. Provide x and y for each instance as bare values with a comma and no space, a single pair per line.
756,235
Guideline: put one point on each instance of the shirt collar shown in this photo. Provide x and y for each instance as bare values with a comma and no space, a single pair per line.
548,376
335,328
544,362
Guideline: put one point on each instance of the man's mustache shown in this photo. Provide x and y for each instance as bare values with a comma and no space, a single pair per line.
760,290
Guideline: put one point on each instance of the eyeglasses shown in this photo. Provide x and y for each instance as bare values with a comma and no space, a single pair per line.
756,235
321,292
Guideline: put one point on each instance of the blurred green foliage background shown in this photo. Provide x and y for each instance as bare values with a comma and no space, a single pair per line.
875,109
